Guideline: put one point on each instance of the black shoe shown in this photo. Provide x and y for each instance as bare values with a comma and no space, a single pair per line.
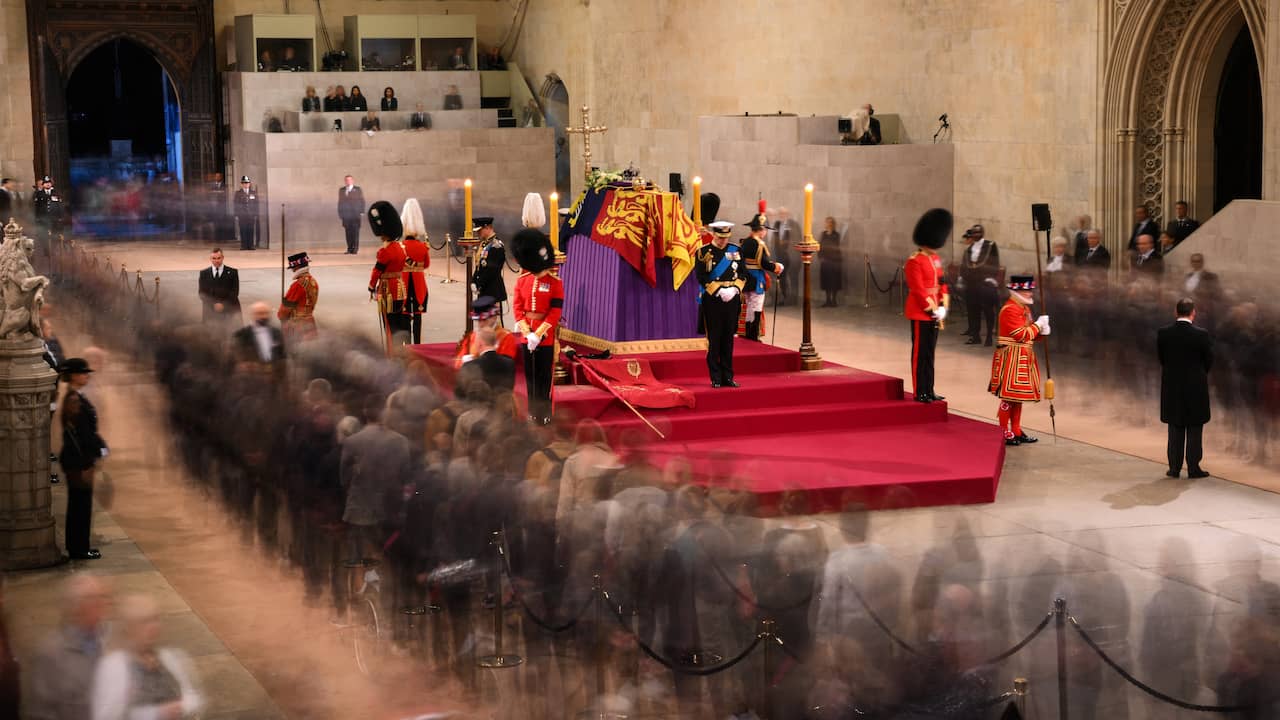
731,383
1197,474
1173,473
936,397
924,398
1012,441
90,554
973,340
1025,438
715,384
988,342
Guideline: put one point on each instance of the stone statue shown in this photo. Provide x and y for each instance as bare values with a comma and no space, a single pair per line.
20,287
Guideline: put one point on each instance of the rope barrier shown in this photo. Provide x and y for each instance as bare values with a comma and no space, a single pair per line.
1147,688
1025,641
881,624
893,281
519,596
675,667
747,598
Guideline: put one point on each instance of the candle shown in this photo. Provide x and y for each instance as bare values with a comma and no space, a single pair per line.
808,211
466,202
555,222
697,202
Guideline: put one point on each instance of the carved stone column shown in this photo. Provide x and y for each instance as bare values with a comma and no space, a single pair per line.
27,529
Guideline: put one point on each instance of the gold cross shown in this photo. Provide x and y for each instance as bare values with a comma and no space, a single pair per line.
586,131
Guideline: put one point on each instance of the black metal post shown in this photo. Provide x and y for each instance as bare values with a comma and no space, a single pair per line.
766,631
498,659
1060,625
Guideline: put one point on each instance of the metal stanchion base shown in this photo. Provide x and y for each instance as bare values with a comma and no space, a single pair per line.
498,662
600,715
447,281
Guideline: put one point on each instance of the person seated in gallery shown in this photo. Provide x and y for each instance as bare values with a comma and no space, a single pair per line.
420,120
357,102
389,101
492,60
453,99
341,102
330,99
458,60
290,61
872,134
370,122
311,101
265,63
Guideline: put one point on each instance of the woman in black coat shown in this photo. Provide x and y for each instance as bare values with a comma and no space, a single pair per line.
831,272
357,102
82,450
389,101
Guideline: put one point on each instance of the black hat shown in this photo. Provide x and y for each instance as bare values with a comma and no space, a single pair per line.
483,307
479,222
46,179
532,250
1022,282
933,228
759,221
299,260
710,208
384,220
72,366
244,179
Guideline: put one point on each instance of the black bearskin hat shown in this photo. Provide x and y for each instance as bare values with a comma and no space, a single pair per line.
384,220
532,250
932,229
710,207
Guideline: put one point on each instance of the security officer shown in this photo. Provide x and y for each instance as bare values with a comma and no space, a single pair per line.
246,206
722,275
980,270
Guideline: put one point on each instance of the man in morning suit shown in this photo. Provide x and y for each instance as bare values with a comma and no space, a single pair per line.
1096,256
1186,354
220,291
351,212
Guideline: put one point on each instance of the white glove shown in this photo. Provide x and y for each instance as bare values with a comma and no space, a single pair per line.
1042,322
778,268
991,281
940,313
531,341
727,294
468,358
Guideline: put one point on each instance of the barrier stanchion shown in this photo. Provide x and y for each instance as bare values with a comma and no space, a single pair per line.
1020,695
866,281
766,632
498,660
1060,627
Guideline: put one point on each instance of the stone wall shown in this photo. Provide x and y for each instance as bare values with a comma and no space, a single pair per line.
1018,80
16,159
304,171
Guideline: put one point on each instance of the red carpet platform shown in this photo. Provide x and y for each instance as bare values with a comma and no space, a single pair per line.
836,433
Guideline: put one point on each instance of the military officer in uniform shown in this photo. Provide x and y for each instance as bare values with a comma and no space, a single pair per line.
1015,372
980,269
48,206
491,257
537,306
386,281
722,276
927,298
246,207
758,261
417,258
298,308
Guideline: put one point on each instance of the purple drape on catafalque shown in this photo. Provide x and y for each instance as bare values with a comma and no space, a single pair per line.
604,297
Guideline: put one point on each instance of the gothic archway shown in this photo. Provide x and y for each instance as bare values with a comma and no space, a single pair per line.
1162,65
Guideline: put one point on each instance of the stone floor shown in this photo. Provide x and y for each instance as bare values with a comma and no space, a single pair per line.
1089,517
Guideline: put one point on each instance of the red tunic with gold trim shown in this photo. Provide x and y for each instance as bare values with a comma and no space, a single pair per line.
416,261
386,278
538,303
297,311
1015,371
467,345
926,280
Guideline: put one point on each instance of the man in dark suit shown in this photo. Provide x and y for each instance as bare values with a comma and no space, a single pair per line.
351,211
1203,287
8,200
259,343
980,269
872,135
219,290
498,370
1186,354
420,120
1148,260
1144,226
246,206
1095,256
1182,225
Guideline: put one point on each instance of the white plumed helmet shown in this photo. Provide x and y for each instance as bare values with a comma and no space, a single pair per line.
534,215
411,218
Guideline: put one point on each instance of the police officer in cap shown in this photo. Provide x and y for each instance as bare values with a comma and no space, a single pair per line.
48,206
491,257
246,207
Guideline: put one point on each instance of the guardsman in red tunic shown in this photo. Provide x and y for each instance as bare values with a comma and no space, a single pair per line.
417,258
537,305
1015,372
298,308
386,284
484,314
927,298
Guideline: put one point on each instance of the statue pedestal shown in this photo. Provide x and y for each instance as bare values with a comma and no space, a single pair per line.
27,529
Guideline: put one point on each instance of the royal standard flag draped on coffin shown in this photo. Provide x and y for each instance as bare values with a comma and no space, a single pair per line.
639,225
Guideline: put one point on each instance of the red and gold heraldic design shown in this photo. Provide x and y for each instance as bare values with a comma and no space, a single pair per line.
633,379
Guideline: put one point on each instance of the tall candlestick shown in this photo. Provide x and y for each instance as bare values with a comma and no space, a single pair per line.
555,221
466,202
808,211
697,202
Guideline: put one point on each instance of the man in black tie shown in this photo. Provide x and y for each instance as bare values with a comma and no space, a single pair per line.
1182,225
1186,354
1095,256
351,212
246,206
1144,226
420,120
1148,261
260,344
219,290
498,370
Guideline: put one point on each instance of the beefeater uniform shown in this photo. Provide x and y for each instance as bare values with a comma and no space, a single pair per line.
1015,370
298,307
417,258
